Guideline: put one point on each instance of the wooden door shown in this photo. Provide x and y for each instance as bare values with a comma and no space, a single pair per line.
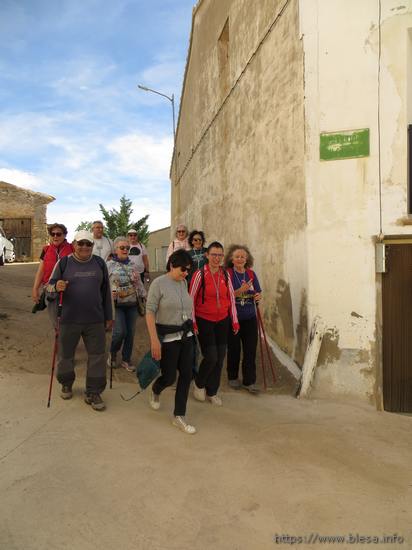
397,328
20,230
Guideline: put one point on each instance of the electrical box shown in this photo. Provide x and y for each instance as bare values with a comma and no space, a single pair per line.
380,258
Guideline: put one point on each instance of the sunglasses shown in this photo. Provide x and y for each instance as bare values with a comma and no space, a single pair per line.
123,247
54,234
183,268
85,243
197,240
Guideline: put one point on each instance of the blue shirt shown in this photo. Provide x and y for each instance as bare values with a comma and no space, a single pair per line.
245,304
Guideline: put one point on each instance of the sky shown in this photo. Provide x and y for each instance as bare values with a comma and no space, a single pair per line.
73,123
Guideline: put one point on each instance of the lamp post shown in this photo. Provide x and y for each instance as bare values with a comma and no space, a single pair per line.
172,101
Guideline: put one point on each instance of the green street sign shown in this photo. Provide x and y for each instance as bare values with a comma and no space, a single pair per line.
344,145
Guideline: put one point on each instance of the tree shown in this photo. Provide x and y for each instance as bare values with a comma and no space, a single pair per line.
117,222
84,225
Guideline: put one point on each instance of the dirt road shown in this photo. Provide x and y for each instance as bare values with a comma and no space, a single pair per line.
262,472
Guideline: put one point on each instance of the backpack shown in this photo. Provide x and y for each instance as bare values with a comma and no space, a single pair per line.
202,282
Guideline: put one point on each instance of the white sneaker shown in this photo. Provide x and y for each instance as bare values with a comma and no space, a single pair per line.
199,393
180,422
215,400
154,401
128,366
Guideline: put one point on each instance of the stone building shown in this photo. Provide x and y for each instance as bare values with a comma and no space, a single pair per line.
292,138
23,217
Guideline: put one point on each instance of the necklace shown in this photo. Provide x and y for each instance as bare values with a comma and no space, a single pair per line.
240,281
217,287
197,257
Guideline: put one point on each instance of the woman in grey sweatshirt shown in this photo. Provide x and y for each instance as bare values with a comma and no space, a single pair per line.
169,309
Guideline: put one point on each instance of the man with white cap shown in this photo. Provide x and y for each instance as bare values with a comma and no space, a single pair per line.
138,253
86,312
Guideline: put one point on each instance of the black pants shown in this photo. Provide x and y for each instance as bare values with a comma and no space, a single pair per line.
176,356
213,341
247,339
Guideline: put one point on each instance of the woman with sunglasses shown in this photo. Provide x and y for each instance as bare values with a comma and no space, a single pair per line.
214,308
197,251
169,309
126,284
57,248
179,242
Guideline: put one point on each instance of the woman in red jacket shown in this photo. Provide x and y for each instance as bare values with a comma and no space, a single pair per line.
49,256
214,308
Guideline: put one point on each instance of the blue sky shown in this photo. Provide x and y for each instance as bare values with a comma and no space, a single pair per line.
73,123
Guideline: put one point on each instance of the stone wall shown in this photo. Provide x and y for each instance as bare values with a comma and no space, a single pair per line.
16,202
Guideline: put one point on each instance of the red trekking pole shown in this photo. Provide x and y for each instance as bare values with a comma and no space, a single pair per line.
262,328
56,343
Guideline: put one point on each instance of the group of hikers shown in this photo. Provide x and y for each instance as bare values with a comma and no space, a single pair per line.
94,285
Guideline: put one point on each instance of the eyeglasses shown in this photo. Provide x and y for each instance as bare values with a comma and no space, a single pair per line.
132,234
214,255
55,234
123,247
85,243
184,269
197,240
181,231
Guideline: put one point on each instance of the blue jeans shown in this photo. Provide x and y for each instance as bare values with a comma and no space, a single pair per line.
123,331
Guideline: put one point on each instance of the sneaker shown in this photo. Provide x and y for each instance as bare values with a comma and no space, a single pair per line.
252,388
180,422
235,384
215,400
66,392
199,393
95,401
128,366
154,401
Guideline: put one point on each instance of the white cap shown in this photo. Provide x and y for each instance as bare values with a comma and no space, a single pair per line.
132,231
84,235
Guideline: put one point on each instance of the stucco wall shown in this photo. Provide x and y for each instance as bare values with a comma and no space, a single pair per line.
341,43
157,247
242,180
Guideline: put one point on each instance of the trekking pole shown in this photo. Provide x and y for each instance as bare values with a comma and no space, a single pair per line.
266,344
56,344
262,359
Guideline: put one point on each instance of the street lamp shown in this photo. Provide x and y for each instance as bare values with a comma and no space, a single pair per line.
172,101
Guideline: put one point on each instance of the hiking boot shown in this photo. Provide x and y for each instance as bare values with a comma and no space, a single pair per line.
128,366
215,400
199,393
252,388
180,422
235,384
154,401
95,401
66,391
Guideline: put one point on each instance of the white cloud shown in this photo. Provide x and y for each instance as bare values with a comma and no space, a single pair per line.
142,155
20,178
